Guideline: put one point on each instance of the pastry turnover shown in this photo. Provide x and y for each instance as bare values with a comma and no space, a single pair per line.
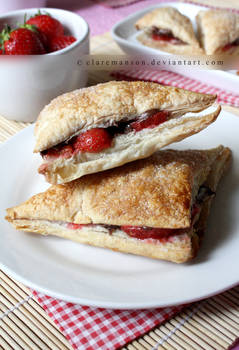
218,31
156,207
108,125
167,29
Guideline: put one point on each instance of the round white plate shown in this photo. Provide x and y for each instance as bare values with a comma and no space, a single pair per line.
99,277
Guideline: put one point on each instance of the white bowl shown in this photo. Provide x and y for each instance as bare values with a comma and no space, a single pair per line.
28,83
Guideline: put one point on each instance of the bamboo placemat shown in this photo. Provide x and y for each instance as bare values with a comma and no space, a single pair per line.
212,324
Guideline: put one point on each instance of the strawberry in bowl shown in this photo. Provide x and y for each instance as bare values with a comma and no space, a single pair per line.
21,41
40,34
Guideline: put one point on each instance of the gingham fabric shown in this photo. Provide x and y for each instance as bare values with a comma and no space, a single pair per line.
89,328
175,79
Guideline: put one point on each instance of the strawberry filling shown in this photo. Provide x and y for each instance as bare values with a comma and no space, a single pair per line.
73,226
165,35
150,232
161,234
150,122
139,232
231,45
97,139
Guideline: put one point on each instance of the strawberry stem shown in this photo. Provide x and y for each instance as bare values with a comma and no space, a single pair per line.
4,36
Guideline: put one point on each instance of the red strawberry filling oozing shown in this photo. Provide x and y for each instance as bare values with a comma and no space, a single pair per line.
166,35
150,232
97,139
139,232
150,122
231,45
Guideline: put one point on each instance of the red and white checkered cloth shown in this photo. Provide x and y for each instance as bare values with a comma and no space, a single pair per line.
175,79
89,328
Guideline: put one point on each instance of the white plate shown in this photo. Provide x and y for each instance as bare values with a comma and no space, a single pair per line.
100,277
125,35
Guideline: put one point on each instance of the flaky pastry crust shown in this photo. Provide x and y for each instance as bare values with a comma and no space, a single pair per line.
217,28
107,103
155,192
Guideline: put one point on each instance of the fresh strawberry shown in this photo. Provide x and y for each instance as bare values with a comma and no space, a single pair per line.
60,42
150,122
47,25
21,41
1,52
43,39
93,140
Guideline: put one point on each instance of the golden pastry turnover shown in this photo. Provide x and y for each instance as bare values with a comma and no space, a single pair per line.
156,207
108,125
167,29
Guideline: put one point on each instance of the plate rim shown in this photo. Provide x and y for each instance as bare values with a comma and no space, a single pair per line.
112,305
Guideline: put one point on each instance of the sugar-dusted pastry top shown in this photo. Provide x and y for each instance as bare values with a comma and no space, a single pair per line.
217,28
108,103
169,18
156,192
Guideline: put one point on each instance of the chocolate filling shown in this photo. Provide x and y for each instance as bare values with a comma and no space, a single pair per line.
204,193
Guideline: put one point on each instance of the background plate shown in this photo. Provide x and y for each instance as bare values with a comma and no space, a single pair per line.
125,35
98,277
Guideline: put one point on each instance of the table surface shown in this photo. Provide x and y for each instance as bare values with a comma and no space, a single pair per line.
209,324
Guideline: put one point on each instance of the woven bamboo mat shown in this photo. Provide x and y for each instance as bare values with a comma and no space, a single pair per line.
212,324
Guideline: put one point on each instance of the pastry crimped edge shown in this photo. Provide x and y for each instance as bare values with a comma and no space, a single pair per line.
169,18
131,147
180,249
217,28
109,102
